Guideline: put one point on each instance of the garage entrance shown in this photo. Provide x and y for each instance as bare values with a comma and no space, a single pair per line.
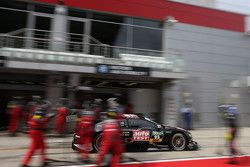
143,93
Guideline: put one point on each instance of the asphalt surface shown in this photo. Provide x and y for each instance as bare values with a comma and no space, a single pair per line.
212,144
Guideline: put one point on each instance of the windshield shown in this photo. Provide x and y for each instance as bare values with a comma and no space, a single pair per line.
150,120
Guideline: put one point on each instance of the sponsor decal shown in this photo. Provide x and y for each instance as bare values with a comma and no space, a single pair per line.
125,133
141,135
156,136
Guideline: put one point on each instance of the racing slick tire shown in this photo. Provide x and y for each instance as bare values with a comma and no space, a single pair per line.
178,142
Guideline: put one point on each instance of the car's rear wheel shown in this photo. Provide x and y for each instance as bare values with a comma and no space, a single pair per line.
178,142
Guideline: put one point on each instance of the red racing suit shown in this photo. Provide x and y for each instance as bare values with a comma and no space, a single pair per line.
111,143
37,135
86,132
15,115
61,119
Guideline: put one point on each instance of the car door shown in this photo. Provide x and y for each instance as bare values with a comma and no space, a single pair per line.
145,130
140,130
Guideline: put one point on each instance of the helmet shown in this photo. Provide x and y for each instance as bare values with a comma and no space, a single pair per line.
39,113
232,111
112,113
86,105
45,104
64,101
18,100
112,102
97,102
87,113
36,98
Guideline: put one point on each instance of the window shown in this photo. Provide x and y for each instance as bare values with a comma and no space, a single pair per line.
108,33
12,20
108,17
42,26
76,13
140,123
13,4
146,38
153,29
44,8
148,23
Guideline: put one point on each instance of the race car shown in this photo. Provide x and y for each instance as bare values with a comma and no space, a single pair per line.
140,133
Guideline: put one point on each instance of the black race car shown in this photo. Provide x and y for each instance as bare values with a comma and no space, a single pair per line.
140,133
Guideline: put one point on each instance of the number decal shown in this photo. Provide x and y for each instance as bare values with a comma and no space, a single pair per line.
156,136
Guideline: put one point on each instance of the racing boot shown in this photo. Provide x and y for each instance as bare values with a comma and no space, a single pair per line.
86,161
24,166
233,162
45,164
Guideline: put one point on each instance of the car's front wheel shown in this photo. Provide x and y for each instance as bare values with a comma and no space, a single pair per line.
178,142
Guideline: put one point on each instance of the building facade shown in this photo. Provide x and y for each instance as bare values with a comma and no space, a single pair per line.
157,56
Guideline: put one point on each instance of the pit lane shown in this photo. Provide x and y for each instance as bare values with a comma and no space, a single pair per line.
12,150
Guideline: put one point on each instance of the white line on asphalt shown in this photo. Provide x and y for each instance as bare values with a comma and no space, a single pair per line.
170,160
188,159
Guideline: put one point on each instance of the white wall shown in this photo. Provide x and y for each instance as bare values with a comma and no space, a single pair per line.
214,58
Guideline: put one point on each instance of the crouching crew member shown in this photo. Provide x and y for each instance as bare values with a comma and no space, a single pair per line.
111,140
86,133
37,134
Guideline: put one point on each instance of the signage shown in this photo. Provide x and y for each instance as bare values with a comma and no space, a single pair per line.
2,61
122,70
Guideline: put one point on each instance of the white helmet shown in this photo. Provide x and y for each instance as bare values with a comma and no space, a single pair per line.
112,103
